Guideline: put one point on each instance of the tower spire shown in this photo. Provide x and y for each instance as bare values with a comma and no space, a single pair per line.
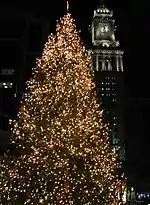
101,2
67,6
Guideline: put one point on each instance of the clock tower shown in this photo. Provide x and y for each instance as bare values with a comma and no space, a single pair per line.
107,63
103,28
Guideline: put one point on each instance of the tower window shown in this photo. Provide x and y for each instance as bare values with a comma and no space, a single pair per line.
7,71
105,64
6,85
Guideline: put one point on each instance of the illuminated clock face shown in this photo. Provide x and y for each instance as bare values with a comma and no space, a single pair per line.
104,28
101,31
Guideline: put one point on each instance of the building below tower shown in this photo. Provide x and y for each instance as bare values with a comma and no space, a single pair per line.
107,63
21,39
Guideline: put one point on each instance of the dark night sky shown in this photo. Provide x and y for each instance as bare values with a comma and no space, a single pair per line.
133,21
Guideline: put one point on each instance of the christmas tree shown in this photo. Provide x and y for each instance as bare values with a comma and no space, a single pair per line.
64,155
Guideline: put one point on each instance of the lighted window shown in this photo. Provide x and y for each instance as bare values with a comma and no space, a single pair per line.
6,85
7,71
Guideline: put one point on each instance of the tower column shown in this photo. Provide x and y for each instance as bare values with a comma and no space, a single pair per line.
97,62
117,63
121,64
103,65
109,65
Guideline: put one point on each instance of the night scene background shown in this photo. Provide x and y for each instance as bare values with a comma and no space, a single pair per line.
133,31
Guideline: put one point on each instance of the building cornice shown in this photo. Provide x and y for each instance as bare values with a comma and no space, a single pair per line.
107,52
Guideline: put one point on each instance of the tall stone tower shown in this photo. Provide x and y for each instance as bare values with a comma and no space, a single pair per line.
107,62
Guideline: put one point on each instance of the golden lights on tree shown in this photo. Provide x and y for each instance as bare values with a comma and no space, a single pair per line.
64,155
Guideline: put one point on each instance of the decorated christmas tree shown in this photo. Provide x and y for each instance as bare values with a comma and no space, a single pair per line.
64,155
